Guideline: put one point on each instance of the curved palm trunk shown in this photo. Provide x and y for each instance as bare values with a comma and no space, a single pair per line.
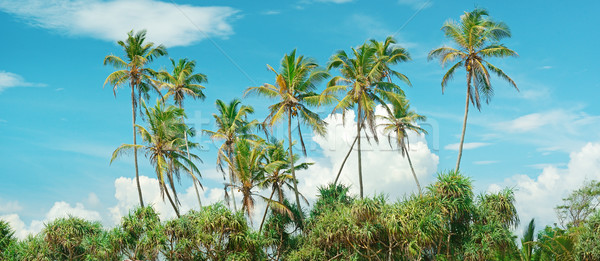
171,200
358,127
266,209
292,165
229,154
412,169
464,127
187,147
344,162
137,175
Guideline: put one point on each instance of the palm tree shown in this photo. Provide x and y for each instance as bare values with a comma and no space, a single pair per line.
184,82
132,70
165,147
232,123
248,167
363,79
477,38
294,87
399,122
277,166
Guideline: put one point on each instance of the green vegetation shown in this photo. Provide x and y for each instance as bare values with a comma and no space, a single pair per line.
445,221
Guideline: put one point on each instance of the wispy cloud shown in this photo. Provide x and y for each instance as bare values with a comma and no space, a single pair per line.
271,12
166,23
485,162
10,80
553,130
334,1
416,4
9,206
466,145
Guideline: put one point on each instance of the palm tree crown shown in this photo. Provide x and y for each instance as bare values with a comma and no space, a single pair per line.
294,88
232,123
133,71
183,81
399,123
365,81
477,38
165,147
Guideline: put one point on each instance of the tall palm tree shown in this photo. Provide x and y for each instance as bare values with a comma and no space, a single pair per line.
277,166
388,53
165,148
180,83
294,87
132,70
477,38
366,80
399,122
232,123
247,163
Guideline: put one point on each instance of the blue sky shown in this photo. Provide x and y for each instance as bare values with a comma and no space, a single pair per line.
58,125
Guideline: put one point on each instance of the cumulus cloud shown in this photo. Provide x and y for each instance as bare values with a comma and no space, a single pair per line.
127,198
384,169
167,23
10,80
59,209
537,197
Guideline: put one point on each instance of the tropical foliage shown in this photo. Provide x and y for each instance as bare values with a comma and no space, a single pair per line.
446,220
477,38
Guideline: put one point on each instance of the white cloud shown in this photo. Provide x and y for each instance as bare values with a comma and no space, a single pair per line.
127,198
384,169
167,23
58,210
537,197
416,4
466,145
271,12
10,80
93,199
553,130
485,162
9,206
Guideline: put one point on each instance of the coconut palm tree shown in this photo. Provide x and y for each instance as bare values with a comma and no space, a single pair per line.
247,163
398,123
132,70
366,80
180,83
294,87
477,39
277,166
232,123
165,147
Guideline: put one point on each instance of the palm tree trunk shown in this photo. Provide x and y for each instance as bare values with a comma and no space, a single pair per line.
229,154
344,162
171,200
412,169
464,127
292,165
137,175
187,147
358,126
265,214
